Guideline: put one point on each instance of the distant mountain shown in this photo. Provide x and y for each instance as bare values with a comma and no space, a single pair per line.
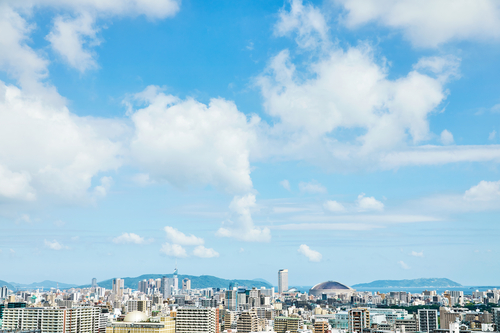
415,283
9,286
44,284
204,281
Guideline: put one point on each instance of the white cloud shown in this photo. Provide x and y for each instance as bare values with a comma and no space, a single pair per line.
333,206
484,191
45,149
173,250
102,190
170,141
306,21
492,135
446,137
403,264
286,184
429,23
129,238
365,204
203,252
70,35
54,245
142,179
312,187
417,254
16,185
242,226
312,255
177,237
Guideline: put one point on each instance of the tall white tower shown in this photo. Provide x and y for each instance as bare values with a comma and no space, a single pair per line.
282,280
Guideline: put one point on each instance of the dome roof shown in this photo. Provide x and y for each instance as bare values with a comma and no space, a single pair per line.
330,288
135,317
330,285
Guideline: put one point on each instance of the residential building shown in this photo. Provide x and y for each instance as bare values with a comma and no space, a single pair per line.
284,324
359,319
427,320
197,320
247,322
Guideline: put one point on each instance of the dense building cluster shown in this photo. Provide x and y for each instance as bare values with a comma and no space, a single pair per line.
166,306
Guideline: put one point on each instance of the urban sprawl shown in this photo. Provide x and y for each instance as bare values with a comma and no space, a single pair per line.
167,305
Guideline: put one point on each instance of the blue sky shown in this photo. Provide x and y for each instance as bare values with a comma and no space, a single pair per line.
348,140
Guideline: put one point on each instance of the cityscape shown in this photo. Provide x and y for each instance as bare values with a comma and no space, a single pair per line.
170,305
249,166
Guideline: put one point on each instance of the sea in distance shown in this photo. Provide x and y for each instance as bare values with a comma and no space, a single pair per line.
466,289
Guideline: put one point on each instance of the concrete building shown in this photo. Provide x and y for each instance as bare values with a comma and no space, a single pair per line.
282,280
186,284
231,300
136,322
321,326
247,322
408,324
359,319
53,320
3,292
284,324
197,320
427,320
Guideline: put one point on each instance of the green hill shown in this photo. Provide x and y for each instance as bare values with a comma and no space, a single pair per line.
415,283
197,282
9,286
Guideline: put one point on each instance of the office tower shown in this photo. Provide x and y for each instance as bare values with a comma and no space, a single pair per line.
282,280
166,287
94,282
359,319
232,300
118,285
247,322
427,320
3,292
51,320
199,320
284,324
186,284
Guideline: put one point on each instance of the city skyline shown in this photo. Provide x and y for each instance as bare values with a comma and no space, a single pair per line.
356,141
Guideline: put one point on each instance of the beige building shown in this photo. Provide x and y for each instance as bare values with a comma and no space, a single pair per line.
247,322
197,320
320,326
53,320
283,324
138,322
358,319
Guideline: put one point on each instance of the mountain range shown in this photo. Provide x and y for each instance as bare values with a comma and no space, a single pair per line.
415,283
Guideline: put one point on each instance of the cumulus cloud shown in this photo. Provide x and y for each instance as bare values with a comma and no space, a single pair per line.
176,237
47,149
312,187
492,135
286,184
241,226
429,23
306,21
484,191
54,245
173,250
333,206
403,264
312,255
417,254
102,190
129,238
69,37
203,252
170,141
446,137
365,204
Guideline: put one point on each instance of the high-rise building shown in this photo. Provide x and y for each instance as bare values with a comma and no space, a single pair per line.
199,320
94,282
247,322
282,280
53,320
117,286
186,284
175,281
359,319
427,320
165,287
320,326
3,292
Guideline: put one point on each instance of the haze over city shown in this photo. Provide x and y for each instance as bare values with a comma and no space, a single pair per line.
343,140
